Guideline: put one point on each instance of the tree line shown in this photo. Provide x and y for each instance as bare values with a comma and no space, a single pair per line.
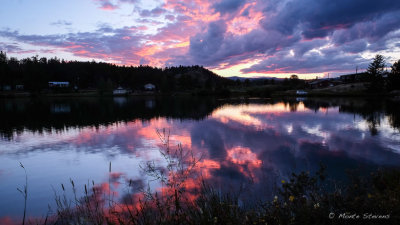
379,79
34,73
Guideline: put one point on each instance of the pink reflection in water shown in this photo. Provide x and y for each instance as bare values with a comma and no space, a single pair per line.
235,141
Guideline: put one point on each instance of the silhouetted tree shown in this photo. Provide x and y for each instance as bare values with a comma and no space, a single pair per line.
3,65
247,82
375,73
3,57
394,77
286,81
294,80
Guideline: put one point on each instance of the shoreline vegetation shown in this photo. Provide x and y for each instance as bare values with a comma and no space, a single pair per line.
321,93
186,198
34,76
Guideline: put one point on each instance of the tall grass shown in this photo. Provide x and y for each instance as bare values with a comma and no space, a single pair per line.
24,192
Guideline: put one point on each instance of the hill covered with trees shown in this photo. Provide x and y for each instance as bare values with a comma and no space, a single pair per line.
34,73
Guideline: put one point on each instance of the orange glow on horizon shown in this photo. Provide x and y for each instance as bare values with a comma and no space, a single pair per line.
235,70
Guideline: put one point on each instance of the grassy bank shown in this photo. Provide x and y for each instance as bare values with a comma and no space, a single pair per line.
187,198
303,199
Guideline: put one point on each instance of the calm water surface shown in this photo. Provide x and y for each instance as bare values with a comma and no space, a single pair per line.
242,143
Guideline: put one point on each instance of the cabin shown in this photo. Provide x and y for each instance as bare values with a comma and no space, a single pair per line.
121,91
149,87
301,92
323,83
349,78
58,84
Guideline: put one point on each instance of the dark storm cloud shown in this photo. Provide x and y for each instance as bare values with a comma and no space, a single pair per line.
203,45
302,36
318,18
227,6
215,45
348,28
355,46
371,30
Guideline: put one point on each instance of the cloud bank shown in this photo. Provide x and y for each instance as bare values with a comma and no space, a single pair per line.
305,36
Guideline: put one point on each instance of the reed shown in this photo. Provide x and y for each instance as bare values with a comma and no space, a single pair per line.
24,192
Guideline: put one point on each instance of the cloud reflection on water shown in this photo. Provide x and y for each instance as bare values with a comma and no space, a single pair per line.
239,144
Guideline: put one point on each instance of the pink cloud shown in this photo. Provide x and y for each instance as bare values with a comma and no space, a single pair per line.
108,7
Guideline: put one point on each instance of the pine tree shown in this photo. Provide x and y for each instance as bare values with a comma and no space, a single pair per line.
375,73
394,77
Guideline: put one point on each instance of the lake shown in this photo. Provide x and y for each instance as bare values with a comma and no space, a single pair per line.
241,144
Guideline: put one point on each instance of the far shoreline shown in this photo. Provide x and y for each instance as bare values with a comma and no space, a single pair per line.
232,94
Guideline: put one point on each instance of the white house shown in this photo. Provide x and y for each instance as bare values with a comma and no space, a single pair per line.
120,91
149,87
58,84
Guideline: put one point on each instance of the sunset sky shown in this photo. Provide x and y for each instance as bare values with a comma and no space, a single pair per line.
230,37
